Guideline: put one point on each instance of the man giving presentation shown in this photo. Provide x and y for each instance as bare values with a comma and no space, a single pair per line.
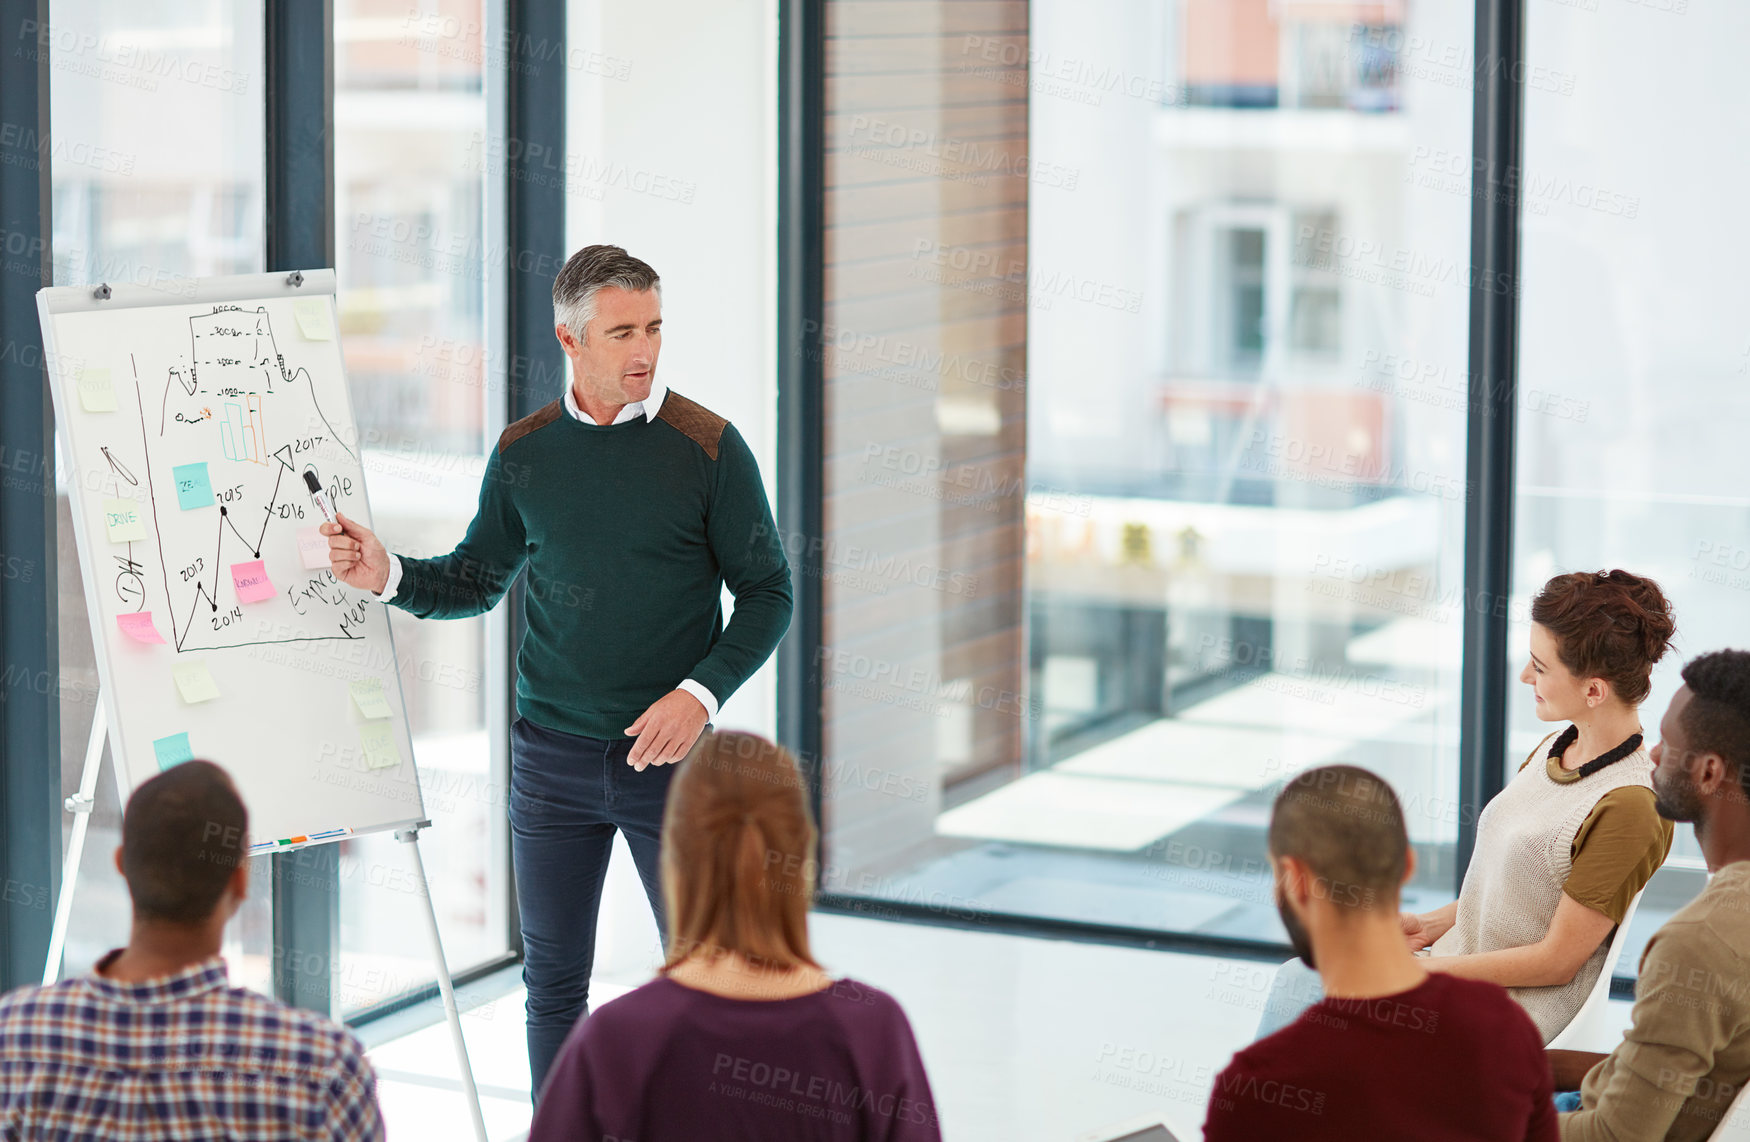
631,507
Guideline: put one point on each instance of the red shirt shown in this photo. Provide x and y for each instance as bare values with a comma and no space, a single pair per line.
1452,1060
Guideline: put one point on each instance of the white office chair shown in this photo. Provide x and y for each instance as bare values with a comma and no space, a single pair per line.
1592,1028
1735,1127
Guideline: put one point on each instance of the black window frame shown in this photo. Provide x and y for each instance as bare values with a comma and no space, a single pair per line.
299,232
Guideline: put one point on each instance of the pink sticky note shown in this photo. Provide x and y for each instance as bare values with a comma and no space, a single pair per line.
252,582
138,625
312,548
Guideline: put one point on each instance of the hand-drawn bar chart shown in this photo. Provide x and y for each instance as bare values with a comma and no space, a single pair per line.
237,400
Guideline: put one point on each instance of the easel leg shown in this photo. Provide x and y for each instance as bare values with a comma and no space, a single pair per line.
452,1014
79,805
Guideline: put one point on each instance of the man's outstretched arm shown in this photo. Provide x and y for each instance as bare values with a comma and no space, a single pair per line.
466,582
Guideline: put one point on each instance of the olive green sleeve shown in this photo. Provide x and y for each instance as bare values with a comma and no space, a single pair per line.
1618,848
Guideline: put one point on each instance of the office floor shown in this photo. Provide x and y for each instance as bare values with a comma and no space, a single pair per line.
1025,1040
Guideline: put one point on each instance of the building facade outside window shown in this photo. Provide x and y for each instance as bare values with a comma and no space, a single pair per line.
1191,519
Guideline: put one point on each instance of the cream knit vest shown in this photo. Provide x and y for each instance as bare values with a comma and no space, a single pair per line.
1515,879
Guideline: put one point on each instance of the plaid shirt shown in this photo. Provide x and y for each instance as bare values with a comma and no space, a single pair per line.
184,1056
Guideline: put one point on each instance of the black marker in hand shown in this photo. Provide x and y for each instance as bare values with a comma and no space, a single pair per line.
355,555
316,493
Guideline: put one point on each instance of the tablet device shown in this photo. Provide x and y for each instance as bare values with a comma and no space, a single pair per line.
1135,1130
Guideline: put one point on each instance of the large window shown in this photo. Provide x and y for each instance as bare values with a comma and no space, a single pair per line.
1145,352
157,179
1146,399
156,168
923,348
412,257
1633,357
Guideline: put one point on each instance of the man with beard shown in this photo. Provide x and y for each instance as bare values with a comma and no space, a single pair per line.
1392,1050
1687,1052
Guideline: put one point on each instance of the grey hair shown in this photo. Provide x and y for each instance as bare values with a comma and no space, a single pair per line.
586,274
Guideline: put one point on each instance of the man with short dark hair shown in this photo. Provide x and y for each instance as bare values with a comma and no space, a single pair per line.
1392,1050
153,1044
1686,1054
632,507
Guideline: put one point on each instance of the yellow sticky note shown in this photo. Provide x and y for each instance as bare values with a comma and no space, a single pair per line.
368,693
122,518
377,739
194,681
312,315
96,394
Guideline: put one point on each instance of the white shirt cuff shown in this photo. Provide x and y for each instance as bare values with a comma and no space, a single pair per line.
705,697
394,580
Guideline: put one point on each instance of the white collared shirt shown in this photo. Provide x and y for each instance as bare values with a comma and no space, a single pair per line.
647,408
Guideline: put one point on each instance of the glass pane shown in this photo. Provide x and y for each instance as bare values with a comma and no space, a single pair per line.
1632,357
1145,401
409,110
156,169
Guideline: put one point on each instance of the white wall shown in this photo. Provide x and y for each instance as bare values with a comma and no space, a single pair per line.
671,133
1093,219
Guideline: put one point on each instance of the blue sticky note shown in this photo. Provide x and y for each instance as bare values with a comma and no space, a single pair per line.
173,750
194,488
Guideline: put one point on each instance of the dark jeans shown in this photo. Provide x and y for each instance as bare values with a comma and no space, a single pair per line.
567,796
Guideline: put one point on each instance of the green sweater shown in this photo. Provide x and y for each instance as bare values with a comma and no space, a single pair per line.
630,532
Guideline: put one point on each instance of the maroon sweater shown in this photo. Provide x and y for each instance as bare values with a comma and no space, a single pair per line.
1452,1060
669,1062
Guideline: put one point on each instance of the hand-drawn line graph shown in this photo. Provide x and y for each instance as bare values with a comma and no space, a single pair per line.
228,402
138,416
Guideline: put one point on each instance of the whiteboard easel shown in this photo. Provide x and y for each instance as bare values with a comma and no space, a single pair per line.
236,304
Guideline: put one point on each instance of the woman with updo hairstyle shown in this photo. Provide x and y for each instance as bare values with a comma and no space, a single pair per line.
742,1035
1565,847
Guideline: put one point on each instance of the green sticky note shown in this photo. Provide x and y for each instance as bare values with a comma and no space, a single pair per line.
122,518
368,693
173,750
96,393
194,488
312,315
194,681
377,739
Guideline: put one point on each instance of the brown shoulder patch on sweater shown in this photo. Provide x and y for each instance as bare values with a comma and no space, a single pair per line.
693,420
540,418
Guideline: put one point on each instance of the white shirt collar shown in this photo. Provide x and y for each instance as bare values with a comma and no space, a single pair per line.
647,408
